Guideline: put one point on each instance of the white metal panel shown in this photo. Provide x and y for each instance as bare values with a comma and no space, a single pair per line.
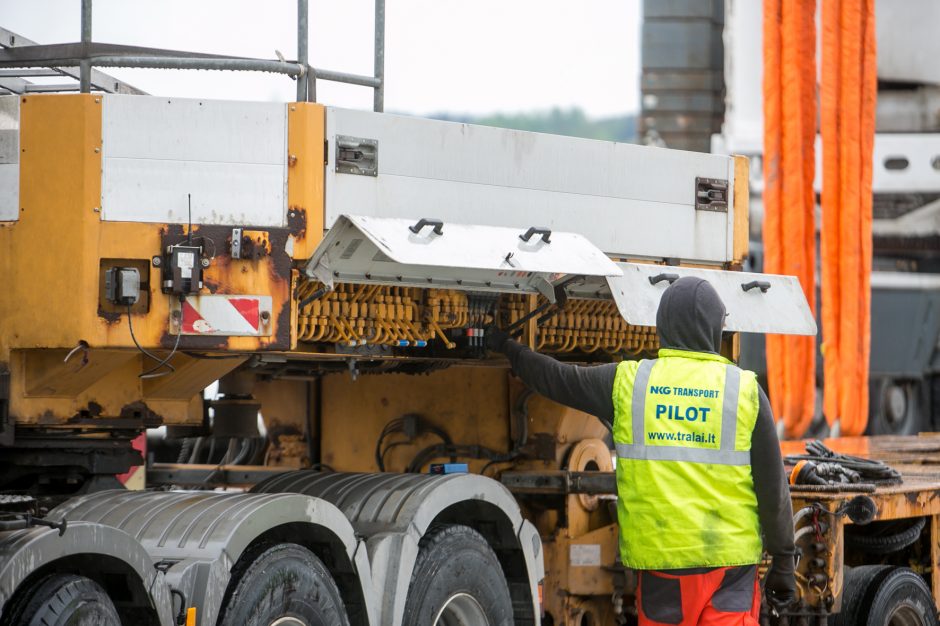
628,200
9,158
781,309
489,258
230,156
907,40
922,153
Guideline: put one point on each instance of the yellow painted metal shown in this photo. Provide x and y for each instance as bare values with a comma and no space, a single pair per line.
470,403
741,201
51,261
306,136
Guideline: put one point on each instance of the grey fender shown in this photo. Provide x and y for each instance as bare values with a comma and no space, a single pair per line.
23,552
199,536
394,511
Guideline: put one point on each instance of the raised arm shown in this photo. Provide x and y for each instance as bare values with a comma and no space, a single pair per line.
588,389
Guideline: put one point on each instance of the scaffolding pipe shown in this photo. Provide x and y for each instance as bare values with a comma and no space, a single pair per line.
378,103
303,92
84,68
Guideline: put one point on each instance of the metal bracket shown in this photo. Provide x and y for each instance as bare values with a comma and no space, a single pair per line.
323,273
711,194
546,288
236,243
355,155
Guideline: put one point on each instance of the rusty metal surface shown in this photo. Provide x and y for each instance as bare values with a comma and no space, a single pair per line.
825,553
916,457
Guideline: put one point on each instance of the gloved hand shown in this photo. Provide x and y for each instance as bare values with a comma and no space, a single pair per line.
495,338
780,583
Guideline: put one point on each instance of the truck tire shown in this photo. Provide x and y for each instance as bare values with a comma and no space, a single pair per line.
881,595
884,537
65,600
457,581
285,580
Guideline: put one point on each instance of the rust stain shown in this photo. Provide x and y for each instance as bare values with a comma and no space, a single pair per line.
297,222
110,317
265,269
140,410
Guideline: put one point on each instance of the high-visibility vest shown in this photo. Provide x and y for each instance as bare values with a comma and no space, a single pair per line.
682,429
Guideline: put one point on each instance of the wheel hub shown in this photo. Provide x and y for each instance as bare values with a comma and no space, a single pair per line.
895,404
462,609
289,621
906,615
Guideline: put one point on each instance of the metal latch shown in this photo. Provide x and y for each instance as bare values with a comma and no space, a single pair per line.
711,194
355,155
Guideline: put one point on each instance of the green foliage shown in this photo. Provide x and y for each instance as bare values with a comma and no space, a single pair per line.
572,122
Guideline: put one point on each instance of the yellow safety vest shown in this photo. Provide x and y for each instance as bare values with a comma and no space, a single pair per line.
682,428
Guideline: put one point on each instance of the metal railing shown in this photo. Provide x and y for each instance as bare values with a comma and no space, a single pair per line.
87,55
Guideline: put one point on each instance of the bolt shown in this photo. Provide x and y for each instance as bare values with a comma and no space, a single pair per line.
292,160
156,261
204,262
265,316
97,209
97,150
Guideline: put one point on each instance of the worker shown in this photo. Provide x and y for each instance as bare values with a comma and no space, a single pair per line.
699,472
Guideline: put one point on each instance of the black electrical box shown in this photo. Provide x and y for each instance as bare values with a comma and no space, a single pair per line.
182,270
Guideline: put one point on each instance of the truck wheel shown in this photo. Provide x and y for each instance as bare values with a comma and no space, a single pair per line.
284,584
457,581
881,595
66,600
897,407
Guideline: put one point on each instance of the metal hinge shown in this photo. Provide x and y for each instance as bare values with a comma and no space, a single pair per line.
355,155
711,194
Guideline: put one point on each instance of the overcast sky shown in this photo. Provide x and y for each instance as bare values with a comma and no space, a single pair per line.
478,56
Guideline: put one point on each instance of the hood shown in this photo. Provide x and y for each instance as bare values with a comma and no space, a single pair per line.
690,316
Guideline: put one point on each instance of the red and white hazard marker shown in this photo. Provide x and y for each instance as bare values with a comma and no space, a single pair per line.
227,315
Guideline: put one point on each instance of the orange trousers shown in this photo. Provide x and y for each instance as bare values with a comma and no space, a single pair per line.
726,596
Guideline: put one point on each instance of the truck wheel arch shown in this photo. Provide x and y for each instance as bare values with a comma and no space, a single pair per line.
394,511
201,535
28,554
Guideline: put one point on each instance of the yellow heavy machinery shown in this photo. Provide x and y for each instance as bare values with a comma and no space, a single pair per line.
334,270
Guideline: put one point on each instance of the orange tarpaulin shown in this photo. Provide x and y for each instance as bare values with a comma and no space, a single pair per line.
789,227
848,93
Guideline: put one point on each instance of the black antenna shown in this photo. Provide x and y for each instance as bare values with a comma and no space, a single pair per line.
189,200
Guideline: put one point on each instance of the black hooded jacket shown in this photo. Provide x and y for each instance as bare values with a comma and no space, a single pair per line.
690,317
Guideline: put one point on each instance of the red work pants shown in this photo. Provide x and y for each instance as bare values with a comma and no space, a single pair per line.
726,596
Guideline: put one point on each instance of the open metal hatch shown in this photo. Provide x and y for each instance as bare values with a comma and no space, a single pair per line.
756,303
431,253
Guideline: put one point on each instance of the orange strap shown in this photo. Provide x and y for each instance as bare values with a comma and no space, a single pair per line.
789,226
849,78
